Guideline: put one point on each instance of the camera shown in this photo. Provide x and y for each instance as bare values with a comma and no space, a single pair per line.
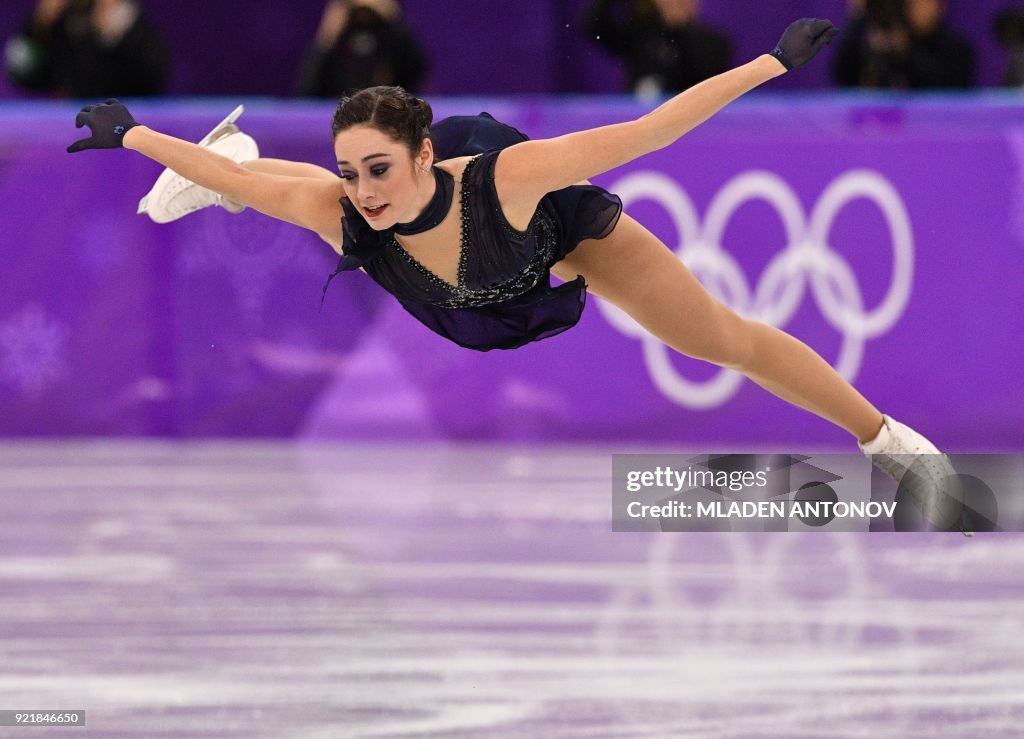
887,15
365,19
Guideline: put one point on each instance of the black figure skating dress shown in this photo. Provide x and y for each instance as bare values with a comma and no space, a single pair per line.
504,297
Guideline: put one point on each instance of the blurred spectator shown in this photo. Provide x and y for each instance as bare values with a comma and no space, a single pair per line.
362,43
88,49
903,44
1009,30
663,44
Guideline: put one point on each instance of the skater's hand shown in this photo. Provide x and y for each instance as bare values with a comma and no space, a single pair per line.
108,121
802,40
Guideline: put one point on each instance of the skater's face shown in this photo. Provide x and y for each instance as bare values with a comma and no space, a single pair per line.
381,178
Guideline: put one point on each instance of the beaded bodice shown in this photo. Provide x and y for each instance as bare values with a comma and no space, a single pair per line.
465,294
496,262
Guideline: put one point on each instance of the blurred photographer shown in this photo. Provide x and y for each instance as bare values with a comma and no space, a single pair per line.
362,43
88,49
903,45
663,44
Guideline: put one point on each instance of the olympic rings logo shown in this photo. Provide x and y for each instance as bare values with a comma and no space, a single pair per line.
777,296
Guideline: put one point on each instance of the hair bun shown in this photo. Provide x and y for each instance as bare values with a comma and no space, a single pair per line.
423,112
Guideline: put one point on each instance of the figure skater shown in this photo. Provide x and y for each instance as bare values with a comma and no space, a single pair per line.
475,267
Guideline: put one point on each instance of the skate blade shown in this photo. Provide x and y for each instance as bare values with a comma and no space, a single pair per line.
232,117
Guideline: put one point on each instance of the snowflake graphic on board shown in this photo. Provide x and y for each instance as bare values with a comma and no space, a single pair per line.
33,348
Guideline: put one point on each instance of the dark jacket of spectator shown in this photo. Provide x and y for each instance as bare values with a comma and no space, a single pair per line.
1008,27
88,49
661,54
903,45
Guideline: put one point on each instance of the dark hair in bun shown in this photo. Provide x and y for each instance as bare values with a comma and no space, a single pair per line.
392,110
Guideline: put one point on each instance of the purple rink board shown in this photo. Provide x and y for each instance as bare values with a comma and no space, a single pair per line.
886,233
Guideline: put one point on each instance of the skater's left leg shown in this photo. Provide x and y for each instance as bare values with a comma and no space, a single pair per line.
634,270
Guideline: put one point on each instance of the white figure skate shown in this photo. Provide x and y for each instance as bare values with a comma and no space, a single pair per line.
173,197
923,471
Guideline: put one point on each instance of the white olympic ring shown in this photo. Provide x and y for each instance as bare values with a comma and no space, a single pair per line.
778,294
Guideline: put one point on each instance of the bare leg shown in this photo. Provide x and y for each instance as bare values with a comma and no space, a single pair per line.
634,270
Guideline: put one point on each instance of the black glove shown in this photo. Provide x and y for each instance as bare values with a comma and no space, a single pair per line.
108,121
802,40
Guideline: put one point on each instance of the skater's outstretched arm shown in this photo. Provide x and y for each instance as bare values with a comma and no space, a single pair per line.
304,201
290,169
529,170
310,202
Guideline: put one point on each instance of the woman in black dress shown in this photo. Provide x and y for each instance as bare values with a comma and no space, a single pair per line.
475,268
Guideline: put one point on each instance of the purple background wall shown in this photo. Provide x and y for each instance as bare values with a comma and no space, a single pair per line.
478,46
211,326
